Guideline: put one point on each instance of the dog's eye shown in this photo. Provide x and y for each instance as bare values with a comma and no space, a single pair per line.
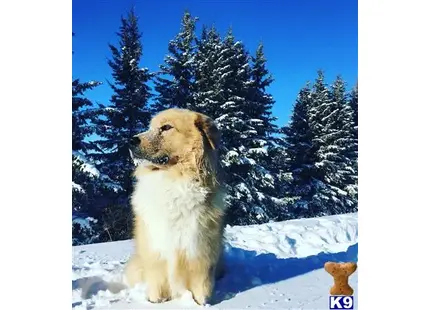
165,127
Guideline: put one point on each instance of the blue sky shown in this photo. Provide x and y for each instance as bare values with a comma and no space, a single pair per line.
299,37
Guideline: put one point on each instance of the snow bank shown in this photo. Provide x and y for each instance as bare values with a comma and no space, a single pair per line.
296,238
275,265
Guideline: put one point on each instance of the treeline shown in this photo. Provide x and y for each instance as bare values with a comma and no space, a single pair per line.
307,168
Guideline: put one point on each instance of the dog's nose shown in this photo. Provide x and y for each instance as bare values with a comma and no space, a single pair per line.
134,141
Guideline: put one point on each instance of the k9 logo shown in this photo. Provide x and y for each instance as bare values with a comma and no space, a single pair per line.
341,302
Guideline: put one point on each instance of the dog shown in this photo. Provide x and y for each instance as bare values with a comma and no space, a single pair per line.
178,207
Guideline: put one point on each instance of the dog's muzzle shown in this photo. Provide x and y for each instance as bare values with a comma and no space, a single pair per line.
142,156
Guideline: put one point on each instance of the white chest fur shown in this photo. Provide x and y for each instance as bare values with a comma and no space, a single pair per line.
171,209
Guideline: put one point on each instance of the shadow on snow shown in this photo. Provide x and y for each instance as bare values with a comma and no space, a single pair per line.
247,269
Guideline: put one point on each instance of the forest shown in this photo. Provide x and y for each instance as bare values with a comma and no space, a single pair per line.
306,168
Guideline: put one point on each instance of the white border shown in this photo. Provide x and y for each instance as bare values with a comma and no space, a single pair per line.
393,168
393,140
35,161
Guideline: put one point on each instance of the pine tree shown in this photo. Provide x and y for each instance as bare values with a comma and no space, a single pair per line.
176,79
207,90
261,102
232,89
82,114
282,197
86,187
226,92
331,119
353,103
346,125
233,74
128,113
262,147
87,191
301,155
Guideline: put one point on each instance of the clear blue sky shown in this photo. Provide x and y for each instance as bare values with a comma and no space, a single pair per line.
299,37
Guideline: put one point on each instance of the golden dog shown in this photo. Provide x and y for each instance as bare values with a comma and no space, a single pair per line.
178,207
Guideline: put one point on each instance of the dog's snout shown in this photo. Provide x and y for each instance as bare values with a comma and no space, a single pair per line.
135,141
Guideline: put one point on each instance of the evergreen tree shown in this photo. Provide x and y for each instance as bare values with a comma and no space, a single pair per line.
207,90
86,187
263,147
346,141
331,120
82,114
232,89
282,197
261,102
87,191
353,103
301,155
175,82
346,144
226,92
128,113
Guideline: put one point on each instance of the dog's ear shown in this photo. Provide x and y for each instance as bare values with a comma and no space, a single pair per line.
208,129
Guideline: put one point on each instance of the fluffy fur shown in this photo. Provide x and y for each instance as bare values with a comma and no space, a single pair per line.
178,207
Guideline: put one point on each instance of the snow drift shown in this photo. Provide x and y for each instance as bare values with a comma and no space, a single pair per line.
274,265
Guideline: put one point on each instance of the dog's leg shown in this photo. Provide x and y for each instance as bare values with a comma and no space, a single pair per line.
178,274
157,282
133,271
201,281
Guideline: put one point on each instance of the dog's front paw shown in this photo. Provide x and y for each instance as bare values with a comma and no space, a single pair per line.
202,300
157,297
156,300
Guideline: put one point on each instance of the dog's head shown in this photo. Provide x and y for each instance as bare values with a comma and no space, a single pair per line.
177,138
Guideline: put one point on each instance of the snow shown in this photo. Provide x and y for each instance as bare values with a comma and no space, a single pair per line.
232,154
89,168
94,83
189,61
258,150
227,104
224,75
77,187
241,188
86,166
220,119
111,109
84,222
275,266
260,196
248,161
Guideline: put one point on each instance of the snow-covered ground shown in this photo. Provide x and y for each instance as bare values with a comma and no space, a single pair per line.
270,266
